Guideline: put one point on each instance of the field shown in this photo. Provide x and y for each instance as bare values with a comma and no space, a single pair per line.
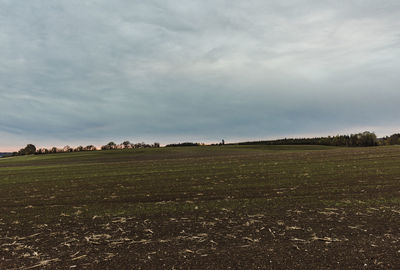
215,207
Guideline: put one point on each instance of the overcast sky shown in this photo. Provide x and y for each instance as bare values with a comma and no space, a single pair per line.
90,71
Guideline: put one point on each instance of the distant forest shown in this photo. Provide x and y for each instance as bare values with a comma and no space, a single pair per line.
363,139
184,144
354,140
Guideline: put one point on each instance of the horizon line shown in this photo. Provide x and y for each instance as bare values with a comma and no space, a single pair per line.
11,149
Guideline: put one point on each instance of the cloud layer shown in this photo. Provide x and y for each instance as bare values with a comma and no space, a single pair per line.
91,71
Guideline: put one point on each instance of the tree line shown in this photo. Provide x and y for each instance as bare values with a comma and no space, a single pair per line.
360,139
184,144
363,139
390,140
31,149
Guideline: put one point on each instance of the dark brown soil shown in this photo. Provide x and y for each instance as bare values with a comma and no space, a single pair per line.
286,239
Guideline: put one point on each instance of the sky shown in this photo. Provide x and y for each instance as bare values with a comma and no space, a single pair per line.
89,72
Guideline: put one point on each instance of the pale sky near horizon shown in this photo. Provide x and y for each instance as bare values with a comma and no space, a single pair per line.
89,72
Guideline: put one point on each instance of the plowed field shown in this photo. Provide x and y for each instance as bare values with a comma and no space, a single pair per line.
211,207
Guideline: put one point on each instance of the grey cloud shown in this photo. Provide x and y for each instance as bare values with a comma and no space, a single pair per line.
74,71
